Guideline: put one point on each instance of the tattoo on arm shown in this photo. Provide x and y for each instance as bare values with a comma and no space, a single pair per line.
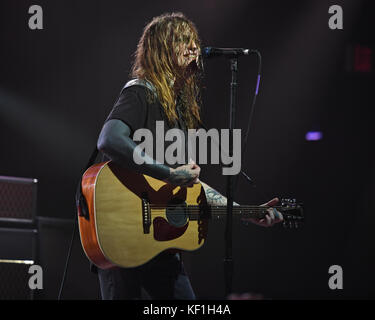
182,177
215,198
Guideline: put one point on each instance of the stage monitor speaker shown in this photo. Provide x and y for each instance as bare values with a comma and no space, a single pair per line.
18,251
18,199
14,279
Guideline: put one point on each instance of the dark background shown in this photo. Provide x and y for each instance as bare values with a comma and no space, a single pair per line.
57,86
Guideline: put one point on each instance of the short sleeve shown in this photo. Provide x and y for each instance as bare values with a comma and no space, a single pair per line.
131,107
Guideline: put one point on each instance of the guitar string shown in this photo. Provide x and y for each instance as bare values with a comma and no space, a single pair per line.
198,213
194,211
243,208
216,207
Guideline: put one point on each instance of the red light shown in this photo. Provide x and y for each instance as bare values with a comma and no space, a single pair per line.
362,59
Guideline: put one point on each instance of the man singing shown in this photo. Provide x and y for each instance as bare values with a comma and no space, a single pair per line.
164,88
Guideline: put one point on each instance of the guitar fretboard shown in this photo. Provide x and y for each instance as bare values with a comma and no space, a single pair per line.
195,212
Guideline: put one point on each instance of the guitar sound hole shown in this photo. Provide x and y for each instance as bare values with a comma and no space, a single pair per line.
176,213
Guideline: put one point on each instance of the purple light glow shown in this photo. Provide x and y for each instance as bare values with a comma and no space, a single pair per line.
314,136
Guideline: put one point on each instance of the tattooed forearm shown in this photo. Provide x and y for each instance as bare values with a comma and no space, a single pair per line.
214,198
181,178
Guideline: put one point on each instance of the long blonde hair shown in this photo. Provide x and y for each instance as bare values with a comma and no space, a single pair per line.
155,61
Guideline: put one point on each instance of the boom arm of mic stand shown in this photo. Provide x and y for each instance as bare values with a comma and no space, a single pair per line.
243,173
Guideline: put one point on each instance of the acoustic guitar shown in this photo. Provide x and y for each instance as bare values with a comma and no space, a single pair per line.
131,217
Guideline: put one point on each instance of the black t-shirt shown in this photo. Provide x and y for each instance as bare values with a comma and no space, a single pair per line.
132,107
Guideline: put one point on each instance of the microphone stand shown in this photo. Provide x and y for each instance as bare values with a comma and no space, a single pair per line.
228,258
231,182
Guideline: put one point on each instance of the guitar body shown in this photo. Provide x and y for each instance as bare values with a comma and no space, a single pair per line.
114,234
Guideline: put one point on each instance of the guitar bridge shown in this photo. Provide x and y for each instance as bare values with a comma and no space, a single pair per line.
146,214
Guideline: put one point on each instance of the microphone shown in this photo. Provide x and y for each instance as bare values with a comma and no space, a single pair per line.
212,52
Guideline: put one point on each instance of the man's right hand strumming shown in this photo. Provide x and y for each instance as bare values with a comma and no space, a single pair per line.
184,176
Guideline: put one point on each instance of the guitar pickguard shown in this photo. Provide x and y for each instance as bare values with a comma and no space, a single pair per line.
164,231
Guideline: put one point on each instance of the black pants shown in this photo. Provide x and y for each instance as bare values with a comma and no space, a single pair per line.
162,278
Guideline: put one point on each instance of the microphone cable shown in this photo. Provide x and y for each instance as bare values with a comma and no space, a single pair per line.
82,209
251,114
68,258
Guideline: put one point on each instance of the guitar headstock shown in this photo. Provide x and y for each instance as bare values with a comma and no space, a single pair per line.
292,213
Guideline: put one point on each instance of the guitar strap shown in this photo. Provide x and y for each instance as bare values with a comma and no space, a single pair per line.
81,202
140,82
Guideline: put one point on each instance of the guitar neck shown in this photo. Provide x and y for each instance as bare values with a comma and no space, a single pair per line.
195,212
251,211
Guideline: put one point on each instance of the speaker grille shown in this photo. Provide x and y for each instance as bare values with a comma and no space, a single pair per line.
17,199
14,279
